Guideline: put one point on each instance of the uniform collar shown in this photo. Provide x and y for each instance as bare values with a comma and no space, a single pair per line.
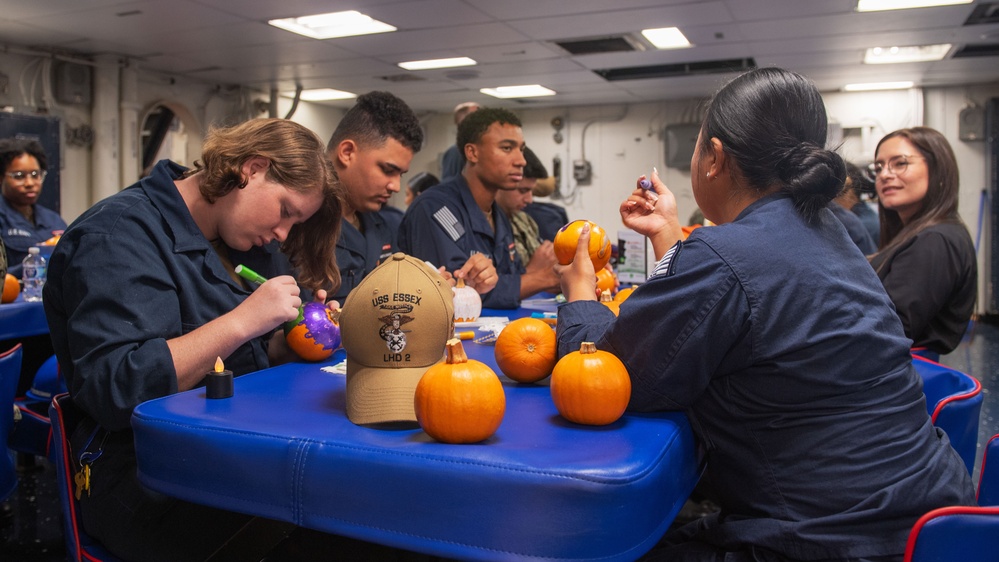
479,221
160,189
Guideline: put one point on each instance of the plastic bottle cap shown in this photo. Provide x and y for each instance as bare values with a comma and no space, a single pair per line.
33,250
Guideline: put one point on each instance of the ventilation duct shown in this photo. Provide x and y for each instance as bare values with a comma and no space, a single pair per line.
673,70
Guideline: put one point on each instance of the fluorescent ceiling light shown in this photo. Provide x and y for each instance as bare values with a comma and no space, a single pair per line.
322,94
666,38
880,5
919,53
526,91
437,63
877,86
334,24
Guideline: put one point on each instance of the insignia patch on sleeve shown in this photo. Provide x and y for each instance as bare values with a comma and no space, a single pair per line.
449,223
667,265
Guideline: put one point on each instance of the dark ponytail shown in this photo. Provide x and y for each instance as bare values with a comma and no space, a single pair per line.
772,123
812,176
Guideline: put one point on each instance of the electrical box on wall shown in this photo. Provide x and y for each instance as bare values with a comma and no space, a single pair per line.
971,124
680,140
582,171
71,83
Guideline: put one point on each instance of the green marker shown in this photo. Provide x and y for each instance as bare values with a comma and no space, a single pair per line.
250,275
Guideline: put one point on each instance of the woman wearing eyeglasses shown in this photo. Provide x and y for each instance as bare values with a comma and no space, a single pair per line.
23,222
926,258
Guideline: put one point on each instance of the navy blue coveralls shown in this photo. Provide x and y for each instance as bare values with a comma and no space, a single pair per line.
778,341
445,226
357,253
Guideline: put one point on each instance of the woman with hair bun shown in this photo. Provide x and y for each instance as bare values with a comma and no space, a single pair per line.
926,260
777,339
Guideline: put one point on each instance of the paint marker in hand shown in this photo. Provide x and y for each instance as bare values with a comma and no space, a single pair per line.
250,275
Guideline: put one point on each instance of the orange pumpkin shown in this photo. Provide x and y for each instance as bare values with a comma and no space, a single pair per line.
624,293
613,305
11,289
606,280
567,238
590,386
526,350
460,400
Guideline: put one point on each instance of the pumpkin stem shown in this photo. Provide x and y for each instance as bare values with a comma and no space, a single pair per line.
460,284
605,296
455,352
587,347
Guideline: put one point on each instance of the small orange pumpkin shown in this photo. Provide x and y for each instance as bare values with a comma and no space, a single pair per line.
460,400
526,350
624,293
11,288
590,386
567,238
606,280
613,305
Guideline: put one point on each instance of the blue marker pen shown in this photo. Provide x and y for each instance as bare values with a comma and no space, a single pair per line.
544,315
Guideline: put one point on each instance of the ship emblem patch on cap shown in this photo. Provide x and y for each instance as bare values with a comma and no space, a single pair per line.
392,332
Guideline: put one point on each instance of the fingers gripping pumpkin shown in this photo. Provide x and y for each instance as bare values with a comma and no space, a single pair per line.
567,238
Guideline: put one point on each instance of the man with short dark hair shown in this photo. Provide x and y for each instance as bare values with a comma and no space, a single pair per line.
458,226
371,149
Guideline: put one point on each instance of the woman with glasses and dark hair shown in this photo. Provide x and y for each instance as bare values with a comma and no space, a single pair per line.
23,222
926,258
772,333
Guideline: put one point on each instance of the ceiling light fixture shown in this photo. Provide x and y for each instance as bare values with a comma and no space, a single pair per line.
666,38
918,53
878,86
881,5
321,94
437,63
525,91
333,24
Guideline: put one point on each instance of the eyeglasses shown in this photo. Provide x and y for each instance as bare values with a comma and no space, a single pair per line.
521,190
895,166
20,176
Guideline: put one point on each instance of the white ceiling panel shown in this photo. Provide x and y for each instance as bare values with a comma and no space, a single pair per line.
227,42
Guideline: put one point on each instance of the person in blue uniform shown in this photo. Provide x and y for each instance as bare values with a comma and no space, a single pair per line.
457,225
371,149
775,337
453,160
927,260
863,191
142,298
23,222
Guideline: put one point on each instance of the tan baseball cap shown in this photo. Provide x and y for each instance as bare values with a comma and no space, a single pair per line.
394,326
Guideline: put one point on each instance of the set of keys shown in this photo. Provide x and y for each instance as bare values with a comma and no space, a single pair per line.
82,479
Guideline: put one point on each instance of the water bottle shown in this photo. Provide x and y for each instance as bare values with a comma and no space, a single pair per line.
33,271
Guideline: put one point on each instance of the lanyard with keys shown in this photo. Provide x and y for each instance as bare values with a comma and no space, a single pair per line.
87,458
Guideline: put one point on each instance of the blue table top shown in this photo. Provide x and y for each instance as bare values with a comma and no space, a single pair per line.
21,319
540,488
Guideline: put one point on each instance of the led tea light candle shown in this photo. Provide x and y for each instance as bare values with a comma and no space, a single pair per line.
219,381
